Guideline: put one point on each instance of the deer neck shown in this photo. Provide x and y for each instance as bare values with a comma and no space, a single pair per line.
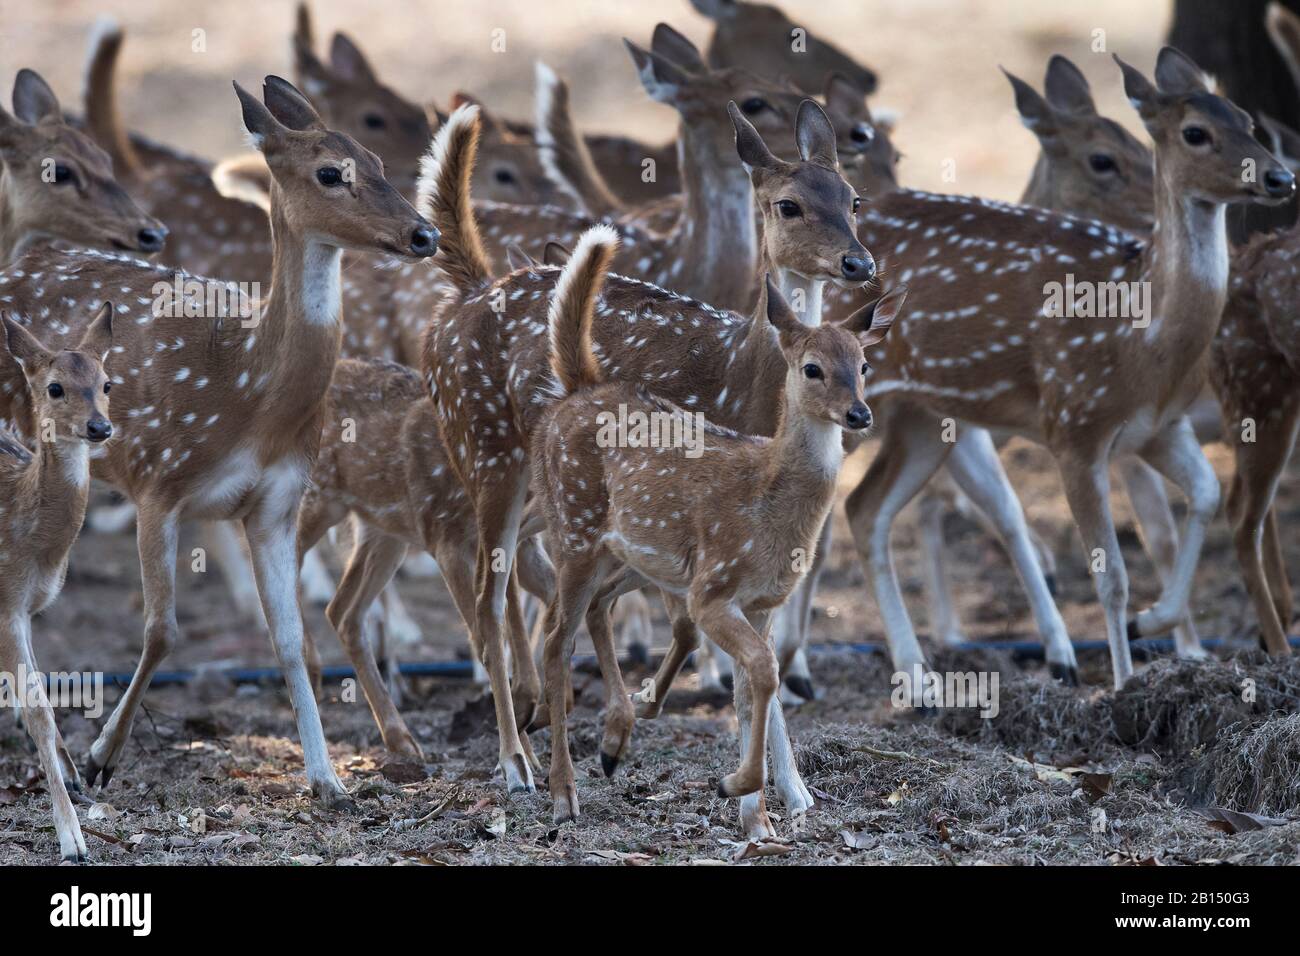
805,458
54,489
804,295
1041,188
715,240
14,237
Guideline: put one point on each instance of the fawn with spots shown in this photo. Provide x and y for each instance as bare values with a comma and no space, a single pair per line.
488,367
720,529
989,351
44,498
222,414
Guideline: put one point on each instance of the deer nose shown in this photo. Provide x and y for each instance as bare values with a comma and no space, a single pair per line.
151,239
857,268
858,416
99,429
424,241
1280,183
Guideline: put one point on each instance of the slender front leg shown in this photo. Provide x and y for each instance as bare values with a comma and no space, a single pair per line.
525,682
272,538
155,534
619,714
945,628
40,724
71,778
686,639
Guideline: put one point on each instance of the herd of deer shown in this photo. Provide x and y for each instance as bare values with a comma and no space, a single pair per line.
513,287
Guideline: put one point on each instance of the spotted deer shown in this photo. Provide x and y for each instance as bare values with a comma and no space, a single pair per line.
487,365
716,525
991,349
45,500
221,414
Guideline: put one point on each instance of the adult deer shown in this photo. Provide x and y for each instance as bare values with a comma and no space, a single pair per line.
222,414
991,349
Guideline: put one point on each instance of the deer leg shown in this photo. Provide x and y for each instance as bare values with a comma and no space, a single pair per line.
317,584
944,625
315,518
1275,568
1177,455
156,536
499,509
912,449
71,777
526,683
716,669
619,714
785,770
40,724
754,821
792,621
1087,489
1146,492
272,538
374,560
686,640
536,573
222,540
977,469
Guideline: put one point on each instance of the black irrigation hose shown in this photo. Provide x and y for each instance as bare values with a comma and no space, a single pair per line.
1143,649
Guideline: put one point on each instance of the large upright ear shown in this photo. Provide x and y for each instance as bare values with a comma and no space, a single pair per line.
1144,97
662,79
749,144
844,98
1067,88
1034,112
815,136
715,9
1284,30
316,78
289,106
872,323
1282,140
263,128
98,337
555,254
778,310
33,99
22,345
1176,73
349,62
671,45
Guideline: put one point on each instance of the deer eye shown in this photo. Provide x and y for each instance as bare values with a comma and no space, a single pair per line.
1101,163
866,368
108,387
329,176
55,390
857,203
788,209
374,121
62,174
812,371
504,176
755,104
1195,136
862,133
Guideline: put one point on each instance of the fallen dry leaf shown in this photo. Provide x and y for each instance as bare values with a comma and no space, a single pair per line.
103,811
1096,785
306,859
858,839
1232,821
761,848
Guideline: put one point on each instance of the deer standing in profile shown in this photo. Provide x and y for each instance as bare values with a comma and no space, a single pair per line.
221,414
44,498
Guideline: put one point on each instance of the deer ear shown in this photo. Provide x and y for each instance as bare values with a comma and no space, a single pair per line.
843,97
33,99
672,46
778,311
662,79
289,106
1176,73
555,254
22,345
1067,88
752,150
714,9
1141,94
1283,141
815,136
872,323
1034,112
98,338
314,75
349,62
1284,30
263,128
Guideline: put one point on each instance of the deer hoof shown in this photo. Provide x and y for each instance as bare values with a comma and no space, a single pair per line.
801,685
608,763
1050,581
1067,674
96,770
565,808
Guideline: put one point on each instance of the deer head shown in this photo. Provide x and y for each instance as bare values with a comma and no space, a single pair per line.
827,369
57,183
350,98
867,154
1203,140
763,39
1090,166
68,389
327,185
809,212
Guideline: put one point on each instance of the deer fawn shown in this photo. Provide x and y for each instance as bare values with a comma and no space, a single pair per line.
716,525
488,367
222,415
56,183
992,350
45,501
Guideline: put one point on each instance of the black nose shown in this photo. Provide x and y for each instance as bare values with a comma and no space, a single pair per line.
424,241
858,416
99,429
857,268
1279,182
151,240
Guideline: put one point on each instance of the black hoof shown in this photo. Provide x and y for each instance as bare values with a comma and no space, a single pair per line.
800,685
608,763
95,771
638,653
1133,632
722,789
1050,581
77,857
1067,674
728,681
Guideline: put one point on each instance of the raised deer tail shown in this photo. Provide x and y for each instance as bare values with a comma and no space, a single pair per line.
444,199
102,118
563,151
573,307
